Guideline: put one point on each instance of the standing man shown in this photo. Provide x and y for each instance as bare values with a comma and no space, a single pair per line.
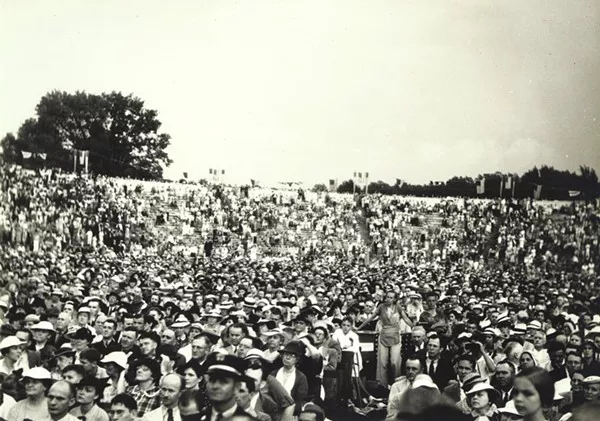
224,376
171,388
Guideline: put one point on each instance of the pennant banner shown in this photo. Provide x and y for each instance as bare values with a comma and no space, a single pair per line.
574,193
538,192
185,175
26,155
42,155
399,183
508,183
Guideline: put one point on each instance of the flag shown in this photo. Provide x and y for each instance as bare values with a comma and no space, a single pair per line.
26,155
399,183
574,193
222,172
185,174
332,186
360,175
210,170
43,156
508,183
355,174
253,182
538,192
366,175
481,186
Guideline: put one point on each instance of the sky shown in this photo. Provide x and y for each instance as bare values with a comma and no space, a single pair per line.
314,90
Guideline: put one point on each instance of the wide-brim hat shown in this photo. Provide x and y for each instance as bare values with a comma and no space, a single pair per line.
494,394
10,341
294,347
46,326
117,357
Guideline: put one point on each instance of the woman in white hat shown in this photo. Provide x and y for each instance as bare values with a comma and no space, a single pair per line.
34,407
480,399
11,348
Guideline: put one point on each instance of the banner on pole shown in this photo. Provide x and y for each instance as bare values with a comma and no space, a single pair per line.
481,186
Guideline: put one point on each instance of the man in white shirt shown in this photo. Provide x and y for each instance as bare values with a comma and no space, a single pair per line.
401,385
171,388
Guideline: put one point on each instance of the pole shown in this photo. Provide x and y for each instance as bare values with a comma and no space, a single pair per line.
75,161
513,187
501,185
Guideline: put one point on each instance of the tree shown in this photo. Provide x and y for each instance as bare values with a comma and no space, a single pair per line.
347,187
122,136
9,150
319,188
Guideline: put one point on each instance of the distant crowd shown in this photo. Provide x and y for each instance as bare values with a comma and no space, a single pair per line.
126,300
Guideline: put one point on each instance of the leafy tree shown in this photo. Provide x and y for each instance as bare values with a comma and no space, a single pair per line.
9,148
348,187
121,135
319,188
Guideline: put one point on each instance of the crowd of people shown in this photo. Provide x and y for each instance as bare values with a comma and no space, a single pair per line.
259,303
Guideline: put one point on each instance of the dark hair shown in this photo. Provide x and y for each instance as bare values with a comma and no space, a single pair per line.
466,357
189,396
126,400
77,368
543,383
508,363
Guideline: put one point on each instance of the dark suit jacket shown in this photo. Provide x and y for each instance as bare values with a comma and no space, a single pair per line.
204,414
299,391
558,373
444,372
105,349
35,359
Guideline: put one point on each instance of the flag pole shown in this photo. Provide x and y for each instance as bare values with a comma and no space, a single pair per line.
513,187
501,185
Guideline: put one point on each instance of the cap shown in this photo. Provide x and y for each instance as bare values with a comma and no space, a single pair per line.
82,333
225,364
591,380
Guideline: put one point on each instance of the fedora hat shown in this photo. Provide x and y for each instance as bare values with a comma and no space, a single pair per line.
294,347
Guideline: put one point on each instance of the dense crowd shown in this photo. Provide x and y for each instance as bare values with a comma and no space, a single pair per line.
260,303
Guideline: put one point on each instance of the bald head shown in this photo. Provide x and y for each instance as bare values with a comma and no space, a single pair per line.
171,388
61,397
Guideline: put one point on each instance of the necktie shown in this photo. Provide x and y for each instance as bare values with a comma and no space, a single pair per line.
431,368
170,414
219,417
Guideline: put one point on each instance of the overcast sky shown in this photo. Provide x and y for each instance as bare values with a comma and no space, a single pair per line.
311,90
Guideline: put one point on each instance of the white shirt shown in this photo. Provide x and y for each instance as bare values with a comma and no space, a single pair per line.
161,414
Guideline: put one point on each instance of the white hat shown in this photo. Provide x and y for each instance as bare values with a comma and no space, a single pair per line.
181,321
43,326
478,387
534,324
509,408
254,353
38,373
423,380
117,357
502,300
10,341
84,310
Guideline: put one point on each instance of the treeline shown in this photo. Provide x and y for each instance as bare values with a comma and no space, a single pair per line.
555,185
